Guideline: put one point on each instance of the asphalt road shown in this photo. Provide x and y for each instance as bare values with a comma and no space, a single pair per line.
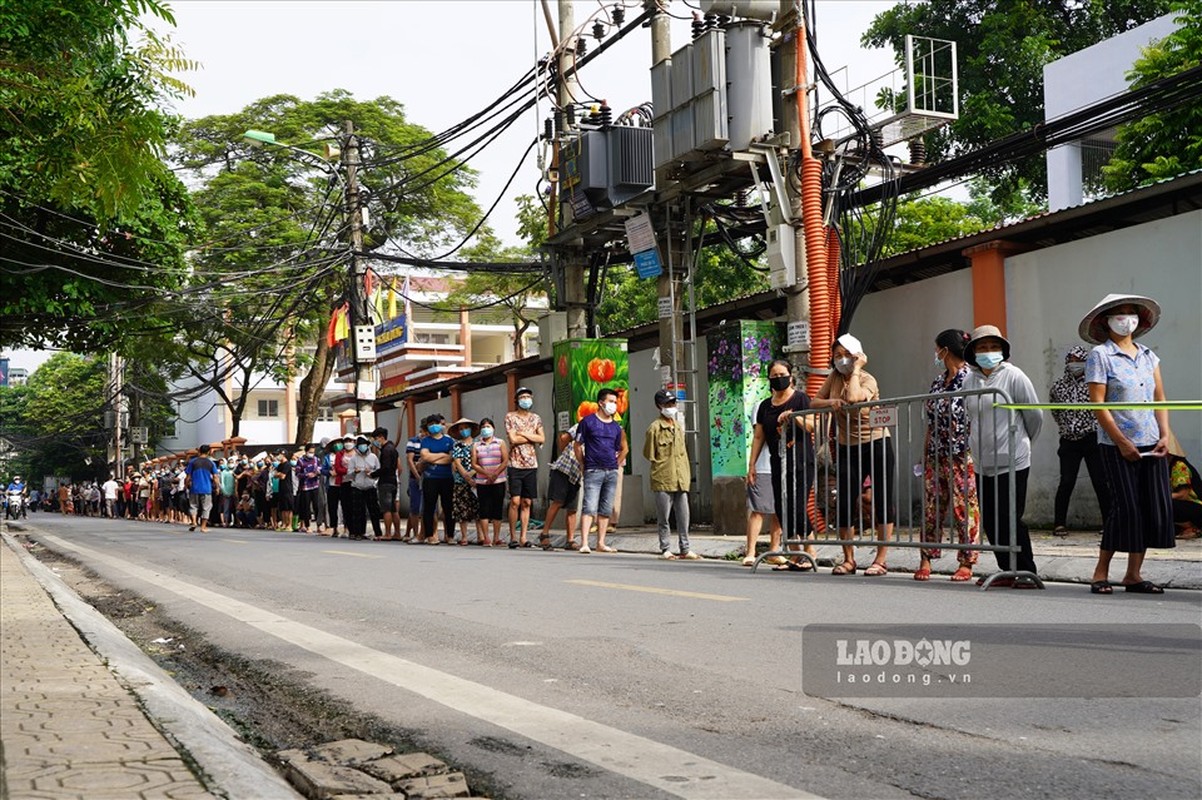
567,675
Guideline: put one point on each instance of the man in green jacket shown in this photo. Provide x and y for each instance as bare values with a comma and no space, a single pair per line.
664,448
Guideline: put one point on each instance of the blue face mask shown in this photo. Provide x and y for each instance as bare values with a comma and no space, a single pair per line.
988,360
486,431
362,448
465,433
526,403
435,429
292,463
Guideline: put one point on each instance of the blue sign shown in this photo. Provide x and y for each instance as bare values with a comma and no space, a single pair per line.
391,334
647,265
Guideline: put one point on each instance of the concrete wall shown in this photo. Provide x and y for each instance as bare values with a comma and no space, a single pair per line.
1049,291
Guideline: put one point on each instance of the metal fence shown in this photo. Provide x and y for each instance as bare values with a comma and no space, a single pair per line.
932,471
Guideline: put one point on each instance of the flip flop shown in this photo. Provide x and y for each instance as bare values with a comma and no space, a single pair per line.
793,566
922,574
1144,587
1101,587
962,574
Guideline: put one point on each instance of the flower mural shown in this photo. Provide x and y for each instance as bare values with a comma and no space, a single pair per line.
738,370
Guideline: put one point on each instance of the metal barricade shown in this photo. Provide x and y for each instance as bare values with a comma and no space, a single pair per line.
886,473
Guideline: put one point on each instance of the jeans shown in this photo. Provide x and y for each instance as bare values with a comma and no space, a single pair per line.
600,488
227,510
665,503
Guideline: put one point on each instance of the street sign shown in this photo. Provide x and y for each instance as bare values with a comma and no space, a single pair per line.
640,235
665,307
138,435
647,265
882,417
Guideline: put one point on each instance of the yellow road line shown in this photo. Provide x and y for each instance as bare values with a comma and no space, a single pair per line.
349,553
721,598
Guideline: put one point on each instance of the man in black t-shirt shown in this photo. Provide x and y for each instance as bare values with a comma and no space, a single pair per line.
386,483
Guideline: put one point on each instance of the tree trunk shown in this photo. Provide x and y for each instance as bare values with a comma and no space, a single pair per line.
312,387
519,338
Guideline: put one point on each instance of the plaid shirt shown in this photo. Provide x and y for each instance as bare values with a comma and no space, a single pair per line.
567,463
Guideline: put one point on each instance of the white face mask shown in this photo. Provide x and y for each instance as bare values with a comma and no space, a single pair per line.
844,365
610,408
1123,324
668,411
1076,368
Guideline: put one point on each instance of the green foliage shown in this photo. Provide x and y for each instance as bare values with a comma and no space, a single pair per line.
81,180
1167,143
928,220
1003,48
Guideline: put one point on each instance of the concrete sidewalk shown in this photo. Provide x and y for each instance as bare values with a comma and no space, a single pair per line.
70,725
1068,559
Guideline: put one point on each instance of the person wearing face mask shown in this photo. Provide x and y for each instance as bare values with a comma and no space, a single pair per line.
601,447
787,482
862,452
261,484
331,450
437,485
386,485
465,506
1133,443
346,495
308,476
664,448
363,468
524,429
490,457
988,354
413,464
285,490
1078,438
228,498
949,484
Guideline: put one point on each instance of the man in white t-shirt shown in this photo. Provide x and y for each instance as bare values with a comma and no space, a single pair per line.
110,488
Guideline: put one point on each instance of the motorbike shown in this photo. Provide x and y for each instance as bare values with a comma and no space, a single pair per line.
16,506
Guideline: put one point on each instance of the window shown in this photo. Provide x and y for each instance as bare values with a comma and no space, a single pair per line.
325,413
269,408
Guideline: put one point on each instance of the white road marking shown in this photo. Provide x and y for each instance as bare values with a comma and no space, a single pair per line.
349,553
630,587
235,541
669,769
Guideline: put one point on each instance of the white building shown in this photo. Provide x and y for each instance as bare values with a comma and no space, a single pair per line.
1081,79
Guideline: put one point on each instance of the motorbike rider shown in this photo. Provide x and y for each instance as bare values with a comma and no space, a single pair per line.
17,489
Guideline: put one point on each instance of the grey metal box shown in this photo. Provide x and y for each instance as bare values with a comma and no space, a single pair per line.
709,63
682,131
661,88
682,76
709,121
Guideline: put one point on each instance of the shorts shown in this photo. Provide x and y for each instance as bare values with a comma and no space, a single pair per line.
415,496
759,497
561,490
492,500
202,505
523,483
600,488
284,501
179,500
386,492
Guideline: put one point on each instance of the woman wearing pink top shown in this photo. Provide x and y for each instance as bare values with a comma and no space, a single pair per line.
490,458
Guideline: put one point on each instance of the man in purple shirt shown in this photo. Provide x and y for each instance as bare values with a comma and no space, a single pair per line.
601,447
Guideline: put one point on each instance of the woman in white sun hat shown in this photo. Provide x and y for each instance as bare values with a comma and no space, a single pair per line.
1134,444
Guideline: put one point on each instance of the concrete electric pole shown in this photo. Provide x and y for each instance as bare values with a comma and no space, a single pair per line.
667,285
797,295
575,300
360,303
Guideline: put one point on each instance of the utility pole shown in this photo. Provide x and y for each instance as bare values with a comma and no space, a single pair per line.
797,296
116,368
566,92
360,305
667,285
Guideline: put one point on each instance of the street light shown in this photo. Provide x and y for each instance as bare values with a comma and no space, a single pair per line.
349,159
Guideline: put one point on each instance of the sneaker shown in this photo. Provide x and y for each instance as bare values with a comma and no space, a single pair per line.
667,556
1060,530
690,556
584,549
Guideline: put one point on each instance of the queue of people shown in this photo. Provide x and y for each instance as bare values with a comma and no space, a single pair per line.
972,449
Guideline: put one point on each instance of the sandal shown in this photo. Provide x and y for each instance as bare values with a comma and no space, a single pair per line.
962,574
544,541
749,561
794,566
844,569
876,570
604,548
1144,587
1101,587
572,546
920,574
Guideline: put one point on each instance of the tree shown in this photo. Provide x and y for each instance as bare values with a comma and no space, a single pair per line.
1167,143
928,220
94,224
277,223
1003,48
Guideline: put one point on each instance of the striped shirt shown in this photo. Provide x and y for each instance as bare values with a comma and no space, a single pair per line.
488,454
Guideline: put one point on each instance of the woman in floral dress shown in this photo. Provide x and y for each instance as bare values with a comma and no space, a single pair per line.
949,477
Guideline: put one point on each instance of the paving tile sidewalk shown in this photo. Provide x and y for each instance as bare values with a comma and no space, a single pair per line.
68,726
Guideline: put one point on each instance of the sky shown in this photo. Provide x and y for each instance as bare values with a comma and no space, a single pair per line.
444,60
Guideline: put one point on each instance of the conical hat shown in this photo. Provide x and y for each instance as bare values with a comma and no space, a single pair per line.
1093,328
